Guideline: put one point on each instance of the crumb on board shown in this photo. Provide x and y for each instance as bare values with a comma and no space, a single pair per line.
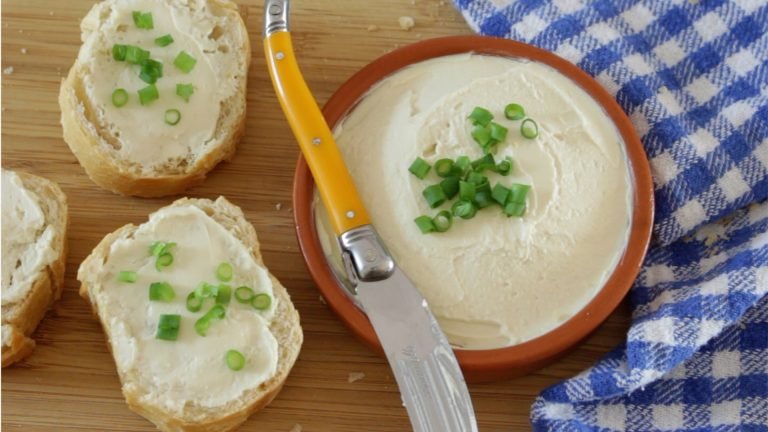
8,70
372,28
23,50
296,428
355,376
278,206
322,300
406,22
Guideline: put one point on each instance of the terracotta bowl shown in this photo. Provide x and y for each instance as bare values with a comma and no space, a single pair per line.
484,365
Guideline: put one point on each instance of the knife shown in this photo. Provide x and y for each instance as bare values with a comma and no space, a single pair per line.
430,381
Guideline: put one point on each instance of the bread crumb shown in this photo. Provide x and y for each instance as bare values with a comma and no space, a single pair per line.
406,22
296,428
8,70
51,13
23,50
355,376
322,300
372,28
278,206
442,3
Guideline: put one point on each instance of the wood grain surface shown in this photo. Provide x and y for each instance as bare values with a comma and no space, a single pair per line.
70,384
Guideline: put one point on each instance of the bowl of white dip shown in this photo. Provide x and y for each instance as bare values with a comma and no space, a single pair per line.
511,293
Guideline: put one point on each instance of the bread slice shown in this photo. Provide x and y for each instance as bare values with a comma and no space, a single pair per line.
34,256
131,150
156,401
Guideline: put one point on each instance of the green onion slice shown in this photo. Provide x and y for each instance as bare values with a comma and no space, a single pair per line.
434,195
164,260
482,136
168,327
148,94
261,301
119,97
202,325
518,193
480,116
185,91
235,360
443,221
464,209
164,41
461,166
172,116
224,295
224,272
194,303
504,167
161,291
135,55
483,199
450,186
444,167
500,194
184,62
498,132
529,128
158,247
514,111
467,191
426,224
143,20
514,209
479,180
244,294
119,52
205,290
419,168
127,276
486,162
151,70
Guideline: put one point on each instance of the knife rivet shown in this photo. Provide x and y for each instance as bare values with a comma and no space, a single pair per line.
350,214
279,55
316,141
275,9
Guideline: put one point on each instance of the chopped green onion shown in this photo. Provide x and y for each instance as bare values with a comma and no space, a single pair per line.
119,52
504,167
480,116
185,91
148,94
151,70
135,55
194,303
224,272
163,41
164,260
483,199
143,20
425,224
202,325
158,247
419,168
486,162
467,191
514,111
224,294
517,193
161,291
479,180
434,195
442,221
235,360
514,209
461,165
443,167
168,327
450,186
500,194
205,290
119,97
172,117
464,209
261,301
244,294
529,128
127,276
482,136
498,132
184,62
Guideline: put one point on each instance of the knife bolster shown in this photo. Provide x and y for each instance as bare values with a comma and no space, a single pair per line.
369,258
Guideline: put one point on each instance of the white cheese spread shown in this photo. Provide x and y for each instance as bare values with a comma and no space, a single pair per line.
492,281
27,238
191,369
140,133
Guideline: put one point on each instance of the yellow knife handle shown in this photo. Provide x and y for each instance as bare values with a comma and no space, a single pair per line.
336,187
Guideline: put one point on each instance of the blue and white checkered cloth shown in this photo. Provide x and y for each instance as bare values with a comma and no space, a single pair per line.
693,77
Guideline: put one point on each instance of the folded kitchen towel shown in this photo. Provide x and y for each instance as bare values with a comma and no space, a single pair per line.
693,77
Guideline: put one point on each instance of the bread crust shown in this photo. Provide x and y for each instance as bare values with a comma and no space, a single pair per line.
85,138
285,327
24,316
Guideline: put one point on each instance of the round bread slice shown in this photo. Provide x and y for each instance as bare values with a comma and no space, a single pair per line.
129,319
178,71
34,247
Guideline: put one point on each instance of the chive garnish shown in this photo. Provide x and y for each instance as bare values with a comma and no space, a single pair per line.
194,303
442,221
205,290
261,301
119,52
235,360
450,186
467,191
224,294
224,272
498,132
480,116
151,70
514,111
202,325
164,41
444,167
184,62
143,20
482,136
119,97
419,168
425,223
434,195
464,209
487,162
148,94
500,194
529,128
127,276
164,260
244,294
514,209
161,291
135,55
172,116
518,193
461,166
168,327
185,91
504,167
483,199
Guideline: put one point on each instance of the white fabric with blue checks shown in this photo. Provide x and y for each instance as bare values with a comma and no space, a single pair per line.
693,77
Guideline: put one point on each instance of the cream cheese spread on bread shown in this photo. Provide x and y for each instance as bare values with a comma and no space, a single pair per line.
493,281
27,238
139,132
191,369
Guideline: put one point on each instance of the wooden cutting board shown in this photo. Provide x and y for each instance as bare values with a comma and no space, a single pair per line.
70,383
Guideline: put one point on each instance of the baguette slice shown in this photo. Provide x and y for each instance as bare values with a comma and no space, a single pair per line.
130,150
149,400
34,257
